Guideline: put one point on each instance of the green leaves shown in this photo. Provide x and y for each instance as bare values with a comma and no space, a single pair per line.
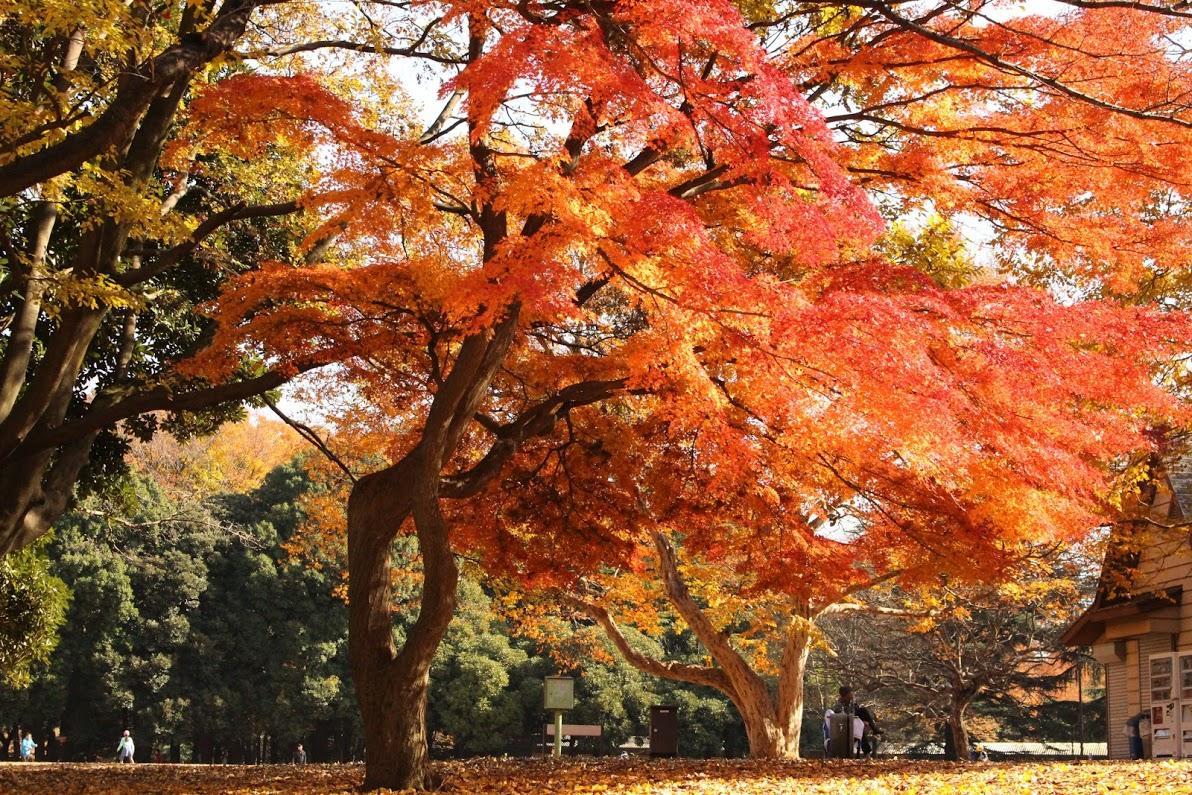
32,607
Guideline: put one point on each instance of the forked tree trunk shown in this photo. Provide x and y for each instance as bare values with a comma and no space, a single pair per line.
768,735
774,727
791,676
391,684
773,721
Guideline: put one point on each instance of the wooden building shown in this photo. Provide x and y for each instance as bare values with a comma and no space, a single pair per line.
1143,606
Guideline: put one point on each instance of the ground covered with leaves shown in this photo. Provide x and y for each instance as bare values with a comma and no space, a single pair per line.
634,777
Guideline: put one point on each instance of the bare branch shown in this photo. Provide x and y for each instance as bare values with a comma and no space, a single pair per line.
160,398
307,433
172,256
993,59
360,46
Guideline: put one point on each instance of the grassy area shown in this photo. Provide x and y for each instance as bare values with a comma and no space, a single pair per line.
634,777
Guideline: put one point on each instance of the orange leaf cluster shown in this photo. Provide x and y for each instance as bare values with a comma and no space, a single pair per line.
684,229
1037,144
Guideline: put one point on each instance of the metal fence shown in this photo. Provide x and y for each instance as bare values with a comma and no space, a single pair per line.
1005,750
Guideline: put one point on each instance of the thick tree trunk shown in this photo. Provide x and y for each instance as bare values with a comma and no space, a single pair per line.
396,749
774,727
20,496
34,492
36,489
392,686
957,732
790,679
769,735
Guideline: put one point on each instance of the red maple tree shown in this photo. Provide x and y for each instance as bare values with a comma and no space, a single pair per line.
638,296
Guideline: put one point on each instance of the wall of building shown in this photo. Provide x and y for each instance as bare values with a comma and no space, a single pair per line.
1164,544
1117,708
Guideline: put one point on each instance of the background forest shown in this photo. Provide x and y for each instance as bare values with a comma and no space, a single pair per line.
182,600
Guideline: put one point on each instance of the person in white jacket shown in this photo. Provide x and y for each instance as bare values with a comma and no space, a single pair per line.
126,748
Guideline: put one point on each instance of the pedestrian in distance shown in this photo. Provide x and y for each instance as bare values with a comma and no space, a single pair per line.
125,749
299,755
28,748
1134,731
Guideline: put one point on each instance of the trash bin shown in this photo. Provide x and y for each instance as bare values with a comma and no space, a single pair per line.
840,736
664,730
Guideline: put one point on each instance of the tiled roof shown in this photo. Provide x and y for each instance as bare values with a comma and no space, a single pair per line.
1179,472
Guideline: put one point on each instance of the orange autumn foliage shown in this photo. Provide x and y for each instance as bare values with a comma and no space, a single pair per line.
734,306
631,294
234,459
1067,129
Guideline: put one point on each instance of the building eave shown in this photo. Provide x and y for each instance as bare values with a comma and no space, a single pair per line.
1091,624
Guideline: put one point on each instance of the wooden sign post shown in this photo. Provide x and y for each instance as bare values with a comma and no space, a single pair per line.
558,697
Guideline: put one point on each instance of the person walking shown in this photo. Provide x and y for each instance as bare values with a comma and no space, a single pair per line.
1134,732
126,748
300,755
28,748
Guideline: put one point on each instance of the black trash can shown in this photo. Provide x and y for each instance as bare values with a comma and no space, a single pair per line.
664,730
840,736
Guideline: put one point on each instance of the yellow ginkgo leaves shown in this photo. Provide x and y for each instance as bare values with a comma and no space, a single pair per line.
628,777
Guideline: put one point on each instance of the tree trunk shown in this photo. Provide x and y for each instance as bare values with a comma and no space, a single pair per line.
394,723
772,725
793,671
204,748
774,728
767,735
23,331
392,686
957,731
36,489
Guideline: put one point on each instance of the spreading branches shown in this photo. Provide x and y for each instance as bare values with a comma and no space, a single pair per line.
115,127
667,669
158,398
537,420
918,26
159,262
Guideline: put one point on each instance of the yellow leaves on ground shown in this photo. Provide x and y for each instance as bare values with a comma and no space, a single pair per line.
629,777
